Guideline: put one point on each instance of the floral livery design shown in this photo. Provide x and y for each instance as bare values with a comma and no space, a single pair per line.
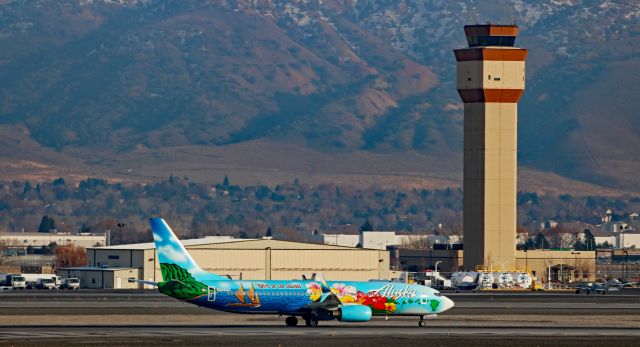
379,303
346,294
314,290
385,300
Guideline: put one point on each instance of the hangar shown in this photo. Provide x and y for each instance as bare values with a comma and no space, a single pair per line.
98,278
246,259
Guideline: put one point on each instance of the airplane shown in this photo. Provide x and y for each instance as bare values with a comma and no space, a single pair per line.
312,299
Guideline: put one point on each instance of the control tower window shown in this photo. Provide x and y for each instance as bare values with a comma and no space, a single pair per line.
505,41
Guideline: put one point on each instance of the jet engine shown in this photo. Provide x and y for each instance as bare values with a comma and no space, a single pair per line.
354,313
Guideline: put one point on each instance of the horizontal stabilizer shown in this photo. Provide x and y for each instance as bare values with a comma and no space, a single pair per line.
150,283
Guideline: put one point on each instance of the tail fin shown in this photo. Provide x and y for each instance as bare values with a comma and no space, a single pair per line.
173,257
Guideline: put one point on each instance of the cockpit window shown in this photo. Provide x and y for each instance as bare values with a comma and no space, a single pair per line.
437,294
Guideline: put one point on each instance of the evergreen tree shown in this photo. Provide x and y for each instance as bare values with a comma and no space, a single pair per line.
269,233
541,242
27,187
85,229
589,240
366,226
578,245
59,181
529,244
225,182
47,224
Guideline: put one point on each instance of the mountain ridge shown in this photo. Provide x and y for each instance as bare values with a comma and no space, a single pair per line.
334,77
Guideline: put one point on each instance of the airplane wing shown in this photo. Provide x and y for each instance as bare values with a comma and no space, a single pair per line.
328,301
150,283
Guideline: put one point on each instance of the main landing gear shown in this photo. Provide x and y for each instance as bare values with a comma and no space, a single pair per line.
291,321
311,320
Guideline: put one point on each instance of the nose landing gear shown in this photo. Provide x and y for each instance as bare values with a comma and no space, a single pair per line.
422,323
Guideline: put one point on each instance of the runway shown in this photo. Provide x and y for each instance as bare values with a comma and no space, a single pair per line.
126,318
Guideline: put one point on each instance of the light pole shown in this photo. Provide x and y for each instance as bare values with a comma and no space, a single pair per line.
560,278
575,263
436,272
626,261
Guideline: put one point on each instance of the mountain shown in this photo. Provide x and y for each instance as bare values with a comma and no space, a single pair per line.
116,87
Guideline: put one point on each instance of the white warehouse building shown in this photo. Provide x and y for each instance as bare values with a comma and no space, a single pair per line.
254,259
383,239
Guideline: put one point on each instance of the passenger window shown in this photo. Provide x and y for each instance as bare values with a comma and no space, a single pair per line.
496,79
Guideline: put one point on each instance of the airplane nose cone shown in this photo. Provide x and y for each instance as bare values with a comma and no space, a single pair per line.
446,304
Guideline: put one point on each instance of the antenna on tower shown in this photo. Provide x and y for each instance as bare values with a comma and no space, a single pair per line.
506,14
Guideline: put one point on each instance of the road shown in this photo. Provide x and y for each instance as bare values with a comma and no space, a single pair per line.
124,318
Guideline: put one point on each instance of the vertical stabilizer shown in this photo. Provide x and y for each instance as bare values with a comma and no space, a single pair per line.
175,261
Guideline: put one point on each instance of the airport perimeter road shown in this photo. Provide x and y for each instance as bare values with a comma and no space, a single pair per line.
132,318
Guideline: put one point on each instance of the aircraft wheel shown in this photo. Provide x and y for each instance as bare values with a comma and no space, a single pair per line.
421,323
312,321
291,321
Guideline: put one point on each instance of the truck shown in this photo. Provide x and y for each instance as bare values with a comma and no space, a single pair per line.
15,281
46,283
70,283
32,279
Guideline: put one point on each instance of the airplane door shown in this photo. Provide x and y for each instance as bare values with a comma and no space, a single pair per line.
423,299
211,294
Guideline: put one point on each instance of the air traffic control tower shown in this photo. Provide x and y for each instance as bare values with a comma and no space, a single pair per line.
490,83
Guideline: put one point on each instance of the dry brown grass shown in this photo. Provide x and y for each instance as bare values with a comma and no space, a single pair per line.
257,162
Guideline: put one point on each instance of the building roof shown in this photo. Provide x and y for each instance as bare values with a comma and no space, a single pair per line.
208,240
211,242
97,268
47,235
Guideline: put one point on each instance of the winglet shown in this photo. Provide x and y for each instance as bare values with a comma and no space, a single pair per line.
326,291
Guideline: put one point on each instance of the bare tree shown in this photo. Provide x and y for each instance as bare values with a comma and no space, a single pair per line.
70,255
457,230
415,242
5,246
